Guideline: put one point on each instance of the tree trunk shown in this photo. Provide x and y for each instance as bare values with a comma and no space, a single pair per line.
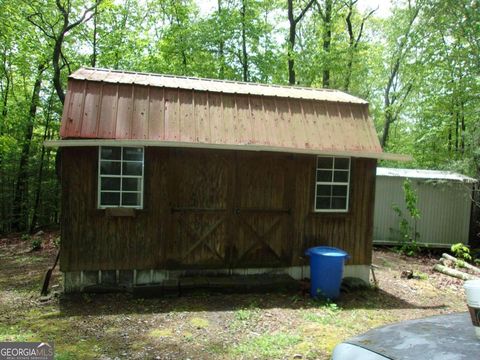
391,90
4,107
221,45
38,20
386,126
466,264
5,102
20,213
4,210
244,43
57,83
353,40
327,39
94,42
462,129
454,273
291,43
292,33
38,186
456,127
449,138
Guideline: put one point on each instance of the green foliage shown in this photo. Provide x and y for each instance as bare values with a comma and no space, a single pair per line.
246,314
56,242
462,253
35,244
26,237
420,275
266,346
408,244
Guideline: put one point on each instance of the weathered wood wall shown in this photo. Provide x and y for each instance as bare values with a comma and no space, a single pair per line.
211,209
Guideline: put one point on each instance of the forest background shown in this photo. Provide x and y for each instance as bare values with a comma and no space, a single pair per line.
418,65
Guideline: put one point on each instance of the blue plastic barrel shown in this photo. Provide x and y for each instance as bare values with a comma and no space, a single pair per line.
326,271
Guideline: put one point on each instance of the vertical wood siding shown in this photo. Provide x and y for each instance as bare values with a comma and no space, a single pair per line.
211,209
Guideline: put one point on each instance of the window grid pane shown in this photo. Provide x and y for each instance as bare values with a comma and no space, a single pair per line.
332,184
120,177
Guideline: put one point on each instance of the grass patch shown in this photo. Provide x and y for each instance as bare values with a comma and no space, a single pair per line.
199,323
159,333
321,318
244,314
266,346
13,333
420,275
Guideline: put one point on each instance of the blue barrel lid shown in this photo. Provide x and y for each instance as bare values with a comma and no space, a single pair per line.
326,251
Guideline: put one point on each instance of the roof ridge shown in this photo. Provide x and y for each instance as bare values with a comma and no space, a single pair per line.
213,85
214,80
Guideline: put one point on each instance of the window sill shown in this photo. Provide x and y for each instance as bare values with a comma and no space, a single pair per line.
120,212
331,214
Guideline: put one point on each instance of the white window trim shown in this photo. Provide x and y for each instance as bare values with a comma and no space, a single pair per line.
332,183
121,161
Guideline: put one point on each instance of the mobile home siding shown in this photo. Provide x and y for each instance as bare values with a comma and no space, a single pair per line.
444,206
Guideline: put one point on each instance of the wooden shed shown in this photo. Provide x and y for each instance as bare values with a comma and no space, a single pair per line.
166,176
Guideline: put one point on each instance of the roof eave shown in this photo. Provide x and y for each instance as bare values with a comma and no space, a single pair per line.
242,147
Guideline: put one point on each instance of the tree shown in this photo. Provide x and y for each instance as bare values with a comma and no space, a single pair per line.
353,39
292,33
20,211
55,27
397,88
325,12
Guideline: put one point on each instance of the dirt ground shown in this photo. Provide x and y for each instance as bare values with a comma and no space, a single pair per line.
206,325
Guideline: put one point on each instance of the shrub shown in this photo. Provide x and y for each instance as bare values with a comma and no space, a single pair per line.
36,244
461,252
409,235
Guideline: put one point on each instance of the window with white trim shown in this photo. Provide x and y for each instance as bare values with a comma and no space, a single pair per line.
332,184
120,177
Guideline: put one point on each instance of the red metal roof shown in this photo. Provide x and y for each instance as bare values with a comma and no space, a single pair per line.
102,104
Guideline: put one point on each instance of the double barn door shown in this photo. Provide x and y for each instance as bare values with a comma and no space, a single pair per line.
230,210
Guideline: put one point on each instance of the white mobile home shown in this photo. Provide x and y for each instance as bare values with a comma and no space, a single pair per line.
444,201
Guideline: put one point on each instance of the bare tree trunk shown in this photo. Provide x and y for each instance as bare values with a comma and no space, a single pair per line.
353,40
182,40
292,33
244,43
57,69
449,146
4,211
20,212
454,273
351,44
391,92
39,179
58,60
463,128
5,99
4,104
327,40
457,125
94,43
291,44
389,119
221,45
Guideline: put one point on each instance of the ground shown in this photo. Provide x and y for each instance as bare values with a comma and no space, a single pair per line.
204,325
